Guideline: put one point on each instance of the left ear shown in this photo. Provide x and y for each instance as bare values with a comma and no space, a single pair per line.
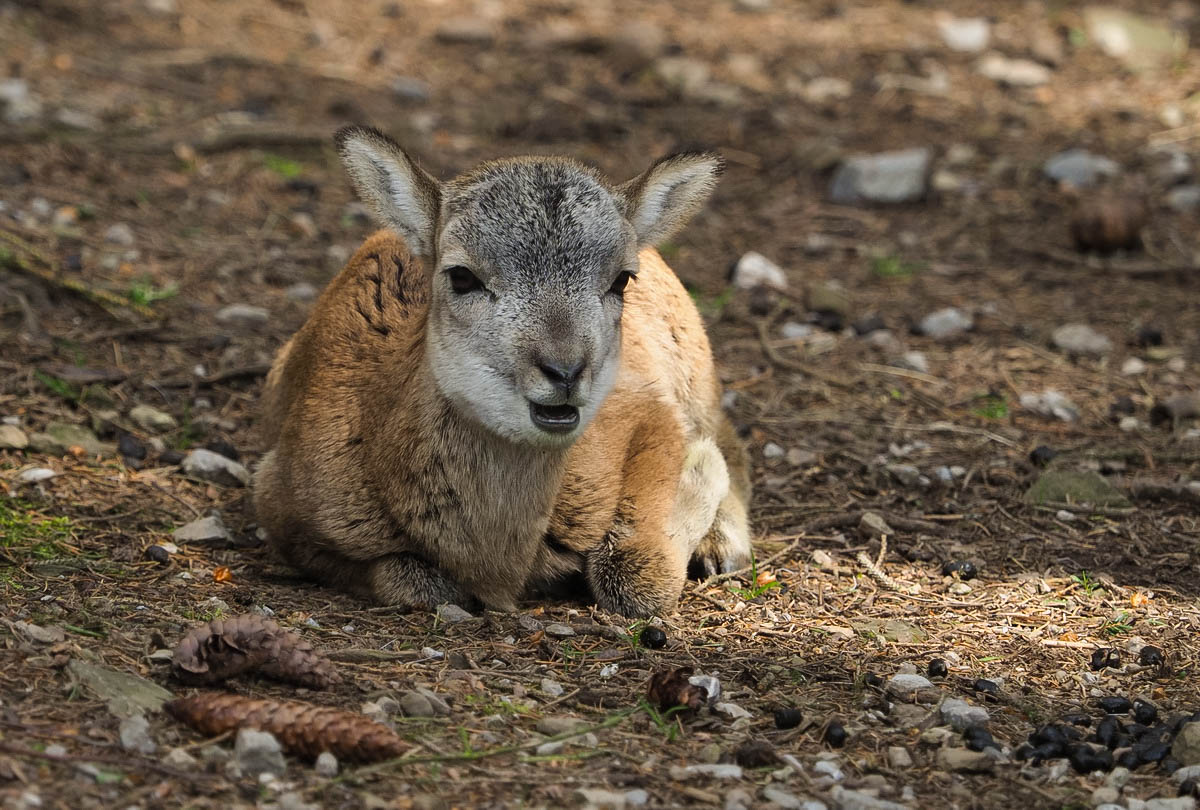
662,199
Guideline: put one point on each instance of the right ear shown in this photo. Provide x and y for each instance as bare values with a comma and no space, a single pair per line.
396,189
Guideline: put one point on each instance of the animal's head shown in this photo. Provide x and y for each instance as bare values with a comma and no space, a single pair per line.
530,260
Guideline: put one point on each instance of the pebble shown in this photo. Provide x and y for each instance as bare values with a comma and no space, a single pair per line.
754,269
1051,403
1186,748
713,771
120,234
1079,168
36,475
414,704
945,323
773,451
300,292
1079,338
829,297
550,749
1183,198
872,525
553,726
710,684
12,438
887,177
559,630
18,103
60,437
242,315
965,761
898,757
799,457
637,797
960,715
180,759
1014,72
731,711
552,688
904,684
452,614
829,768
1139,41
326,765
134,732
258,752
913,361
153,419
964,34
1105,795
796,331
861,800
209,466
906,474
1133,366
600,799
781,798
209,529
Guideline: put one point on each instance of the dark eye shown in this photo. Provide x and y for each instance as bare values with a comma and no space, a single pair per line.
462,280
620,282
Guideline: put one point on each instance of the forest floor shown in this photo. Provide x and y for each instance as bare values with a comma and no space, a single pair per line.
161,162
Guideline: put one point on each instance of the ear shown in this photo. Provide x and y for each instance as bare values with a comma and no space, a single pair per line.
662,199
390,182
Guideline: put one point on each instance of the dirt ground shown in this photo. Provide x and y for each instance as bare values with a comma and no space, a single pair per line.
204,127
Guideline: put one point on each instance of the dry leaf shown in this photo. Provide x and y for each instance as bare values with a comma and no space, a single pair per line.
222,574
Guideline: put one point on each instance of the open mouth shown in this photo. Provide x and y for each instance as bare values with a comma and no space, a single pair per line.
554,418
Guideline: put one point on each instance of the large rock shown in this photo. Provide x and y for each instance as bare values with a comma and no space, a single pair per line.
1058,486
887,177
209,466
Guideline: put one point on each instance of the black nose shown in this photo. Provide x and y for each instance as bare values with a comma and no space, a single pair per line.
561,375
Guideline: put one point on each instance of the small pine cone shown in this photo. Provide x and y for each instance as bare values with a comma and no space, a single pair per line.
301,728
224,648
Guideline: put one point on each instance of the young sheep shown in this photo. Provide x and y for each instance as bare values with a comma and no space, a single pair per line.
506,389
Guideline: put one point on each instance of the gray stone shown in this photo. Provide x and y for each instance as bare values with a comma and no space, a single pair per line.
1014,72
1186,748
17,102
1138,41
1183,774
1183,198
860,800
180,759
410,88
871,525
1133,366
637,797
453,614
1079,338
898,757
730,711
888,177
120,234
828,767
1105,795
414,704
772,451
550,749
258,752
1051,403
152,419
134,732
559,630
712,771
36,475
946,323
780,797
600,799
739,799
326,765
553,726
965,34
209,466
791,330
38,634
530,624
905,685
754,269
440,707
906,474
552,688
1061,486
829,297
60,437
12,438
798,457
1178,803
960,715
242,315
964,761
913,361
301,291
1079,168
207,529
124,694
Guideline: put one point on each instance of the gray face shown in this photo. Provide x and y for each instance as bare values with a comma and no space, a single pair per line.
524,329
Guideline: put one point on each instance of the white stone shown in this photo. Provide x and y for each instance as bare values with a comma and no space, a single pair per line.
966,34
1015,72
1133,366
1079,338
326,765
209,466
754,269
713,771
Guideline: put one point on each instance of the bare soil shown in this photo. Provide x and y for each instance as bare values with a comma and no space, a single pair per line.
209,135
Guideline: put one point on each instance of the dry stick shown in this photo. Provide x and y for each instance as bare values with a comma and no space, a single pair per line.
256,370
110,302
875,572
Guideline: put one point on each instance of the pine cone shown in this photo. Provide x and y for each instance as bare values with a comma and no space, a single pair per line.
224,648
301,728
670,689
